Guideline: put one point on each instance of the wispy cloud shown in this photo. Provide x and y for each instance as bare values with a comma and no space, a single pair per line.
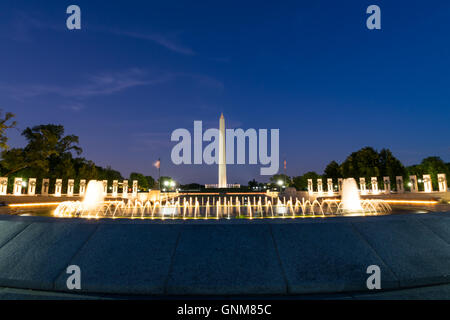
101,84
168,41
22,26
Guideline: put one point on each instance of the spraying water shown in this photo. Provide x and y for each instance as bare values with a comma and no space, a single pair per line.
179,206
94,195
350,196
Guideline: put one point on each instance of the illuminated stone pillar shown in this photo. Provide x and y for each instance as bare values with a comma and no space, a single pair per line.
70,185
427,185
125,189
330,186
442,181
45,186
105,187
399,184
82,187
340,183
115,188
310,186
374,184
58,187
413,184
387,185
31,186
3,185
135,188
319,186
362,185
17,186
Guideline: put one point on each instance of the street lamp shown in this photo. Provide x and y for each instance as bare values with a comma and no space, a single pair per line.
280,183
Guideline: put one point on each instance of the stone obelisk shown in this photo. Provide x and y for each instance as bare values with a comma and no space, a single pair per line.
222,154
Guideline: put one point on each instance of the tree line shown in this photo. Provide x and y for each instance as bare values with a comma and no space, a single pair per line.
49,153
366,163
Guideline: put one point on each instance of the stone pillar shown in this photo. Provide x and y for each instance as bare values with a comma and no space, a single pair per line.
427,185
17,190
31,186
58,187
135,188
413,184
374,184
115,188
362,185
105,187
387,185
319,186
45,186
330,186
82,187
125,189
399,184
70,185
340,183
310,186
442,181
3,185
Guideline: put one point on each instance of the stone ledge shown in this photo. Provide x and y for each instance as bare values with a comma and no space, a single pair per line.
266,257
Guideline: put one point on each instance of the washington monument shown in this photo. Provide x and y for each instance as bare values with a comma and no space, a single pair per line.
222,155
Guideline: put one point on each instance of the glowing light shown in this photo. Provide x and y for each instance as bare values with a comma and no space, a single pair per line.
38,204
94,195
428,202
280,182
350,196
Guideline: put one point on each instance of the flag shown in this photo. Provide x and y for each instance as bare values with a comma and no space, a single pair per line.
157,164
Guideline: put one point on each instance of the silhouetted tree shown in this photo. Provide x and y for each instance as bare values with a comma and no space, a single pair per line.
142,181
332,170
5,123
301,182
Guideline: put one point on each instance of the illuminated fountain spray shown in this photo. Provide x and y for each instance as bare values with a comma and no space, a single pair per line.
94,196
351,201
185,207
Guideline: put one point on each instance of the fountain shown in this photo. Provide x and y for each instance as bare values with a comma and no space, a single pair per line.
94,195
220,206
351,201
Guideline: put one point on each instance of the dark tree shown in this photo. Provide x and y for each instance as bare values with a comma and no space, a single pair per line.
333,170
301,182
5,123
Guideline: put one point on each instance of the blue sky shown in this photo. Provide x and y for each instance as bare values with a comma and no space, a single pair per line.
137,70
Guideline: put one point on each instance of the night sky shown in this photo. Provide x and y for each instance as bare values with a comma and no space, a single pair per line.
137,70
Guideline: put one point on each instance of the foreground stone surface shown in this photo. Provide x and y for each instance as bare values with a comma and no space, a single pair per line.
126,259
415,254
226,259
327,257
258,257
36,256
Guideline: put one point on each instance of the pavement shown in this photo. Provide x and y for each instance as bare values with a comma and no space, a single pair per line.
324,258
